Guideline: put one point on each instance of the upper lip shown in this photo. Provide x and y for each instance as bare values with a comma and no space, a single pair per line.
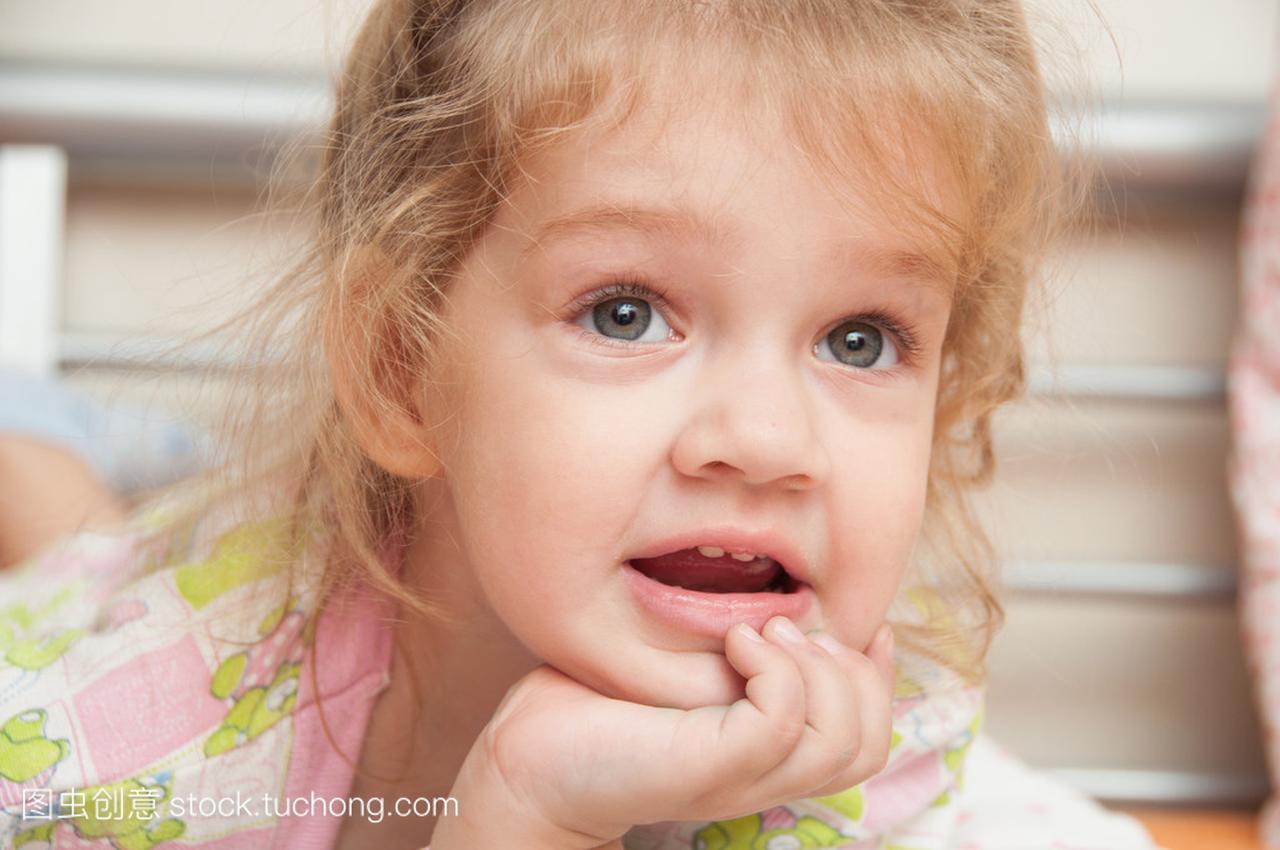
732,538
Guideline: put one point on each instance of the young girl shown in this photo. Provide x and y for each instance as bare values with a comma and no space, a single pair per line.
644,358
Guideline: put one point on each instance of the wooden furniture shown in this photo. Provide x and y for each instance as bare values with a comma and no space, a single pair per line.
1200,829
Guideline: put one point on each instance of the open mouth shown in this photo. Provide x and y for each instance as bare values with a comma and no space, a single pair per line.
708,569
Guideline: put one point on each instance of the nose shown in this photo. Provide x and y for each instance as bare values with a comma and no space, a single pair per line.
752,421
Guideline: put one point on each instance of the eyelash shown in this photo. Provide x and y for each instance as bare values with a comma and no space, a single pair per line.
909,345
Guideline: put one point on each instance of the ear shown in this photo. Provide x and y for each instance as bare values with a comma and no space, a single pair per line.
378,392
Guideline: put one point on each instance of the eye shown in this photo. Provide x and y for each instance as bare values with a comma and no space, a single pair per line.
626,312
861,344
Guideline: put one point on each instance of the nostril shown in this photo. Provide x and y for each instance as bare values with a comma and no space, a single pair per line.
798,482
719,468
794,481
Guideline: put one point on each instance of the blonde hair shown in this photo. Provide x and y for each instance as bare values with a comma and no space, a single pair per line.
440,103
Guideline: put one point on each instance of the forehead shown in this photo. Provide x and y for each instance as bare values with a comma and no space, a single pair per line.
702,159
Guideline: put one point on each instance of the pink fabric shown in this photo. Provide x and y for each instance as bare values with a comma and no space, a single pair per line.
168,685
1254,467
350,639
181,672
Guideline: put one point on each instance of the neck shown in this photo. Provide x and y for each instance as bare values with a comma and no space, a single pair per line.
415,743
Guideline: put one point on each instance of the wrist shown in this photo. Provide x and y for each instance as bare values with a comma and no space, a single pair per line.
490,814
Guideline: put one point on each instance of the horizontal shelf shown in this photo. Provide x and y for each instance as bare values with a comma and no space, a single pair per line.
1122,578
124,123
1131,383
1165,787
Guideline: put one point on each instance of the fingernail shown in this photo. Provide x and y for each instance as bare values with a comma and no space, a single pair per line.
827,642
749,633
787,630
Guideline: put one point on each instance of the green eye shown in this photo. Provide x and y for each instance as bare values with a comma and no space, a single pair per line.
625,313
859,344
622,318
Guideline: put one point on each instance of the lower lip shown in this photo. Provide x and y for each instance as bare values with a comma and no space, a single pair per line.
713,614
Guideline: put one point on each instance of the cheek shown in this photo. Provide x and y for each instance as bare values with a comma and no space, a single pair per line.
548,458
878,497
547,477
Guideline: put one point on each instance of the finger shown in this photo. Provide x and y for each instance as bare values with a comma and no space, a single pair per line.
880,651
872,681
829,695
721,747
830,741
873,747
775,696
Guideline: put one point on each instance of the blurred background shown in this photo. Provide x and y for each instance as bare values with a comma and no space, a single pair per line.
136,136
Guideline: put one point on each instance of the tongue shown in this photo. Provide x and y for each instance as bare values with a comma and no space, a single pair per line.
690,569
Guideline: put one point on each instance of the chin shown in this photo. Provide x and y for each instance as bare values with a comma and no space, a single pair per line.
684,680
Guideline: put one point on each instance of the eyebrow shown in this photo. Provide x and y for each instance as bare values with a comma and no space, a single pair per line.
674,221
683,222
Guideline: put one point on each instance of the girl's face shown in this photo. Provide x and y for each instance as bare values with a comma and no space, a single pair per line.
675,334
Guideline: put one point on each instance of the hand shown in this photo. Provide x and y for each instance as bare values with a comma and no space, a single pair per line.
563,766
49,492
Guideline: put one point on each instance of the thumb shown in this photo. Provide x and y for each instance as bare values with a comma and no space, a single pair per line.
880,651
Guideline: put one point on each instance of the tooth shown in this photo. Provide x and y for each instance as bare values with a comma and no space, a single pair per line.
711,551
742,556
